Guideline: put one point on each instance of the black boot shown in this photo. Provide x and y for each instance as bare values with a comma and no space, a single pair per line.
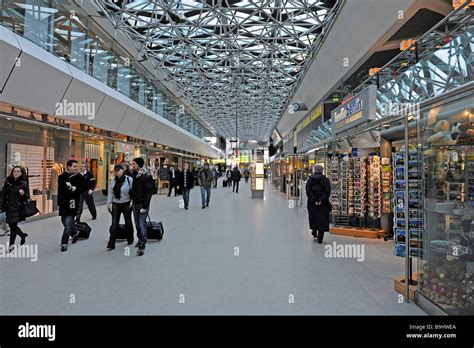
320,237
23,238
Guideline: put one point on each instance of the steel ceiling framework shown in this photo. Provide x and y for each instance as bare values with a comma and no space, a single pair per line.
233,60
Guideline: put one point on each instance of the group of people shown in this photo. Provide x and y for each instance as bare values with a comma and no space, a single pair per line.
185,180
130,191
233,178
182,181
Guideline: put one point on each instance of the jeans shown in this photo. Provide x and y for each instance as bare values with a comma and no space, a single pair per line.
140,225
14,231
90,204
117,210
69,228
246,180
205,200
186,192
236,184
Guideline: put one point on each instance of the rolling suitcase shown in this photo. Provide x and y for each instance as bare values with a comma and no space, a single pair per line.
122,232
224,183
154,230
84,230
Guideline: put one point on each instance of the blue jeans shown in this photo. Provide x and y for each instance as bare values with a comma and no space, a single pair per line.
69,228
186,192
140,225
205,200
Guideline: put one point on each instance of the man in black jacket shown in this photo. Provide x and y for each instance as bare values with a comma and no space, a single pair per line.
142,191
88,194
236,179
173,177
186,183
70,188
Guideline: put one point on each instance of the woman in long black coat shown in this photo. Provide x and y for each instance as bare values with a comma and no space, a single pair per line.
15,193
318,190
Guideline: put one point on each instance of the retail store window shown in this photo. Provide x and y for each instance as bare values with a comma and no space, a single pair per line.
447,138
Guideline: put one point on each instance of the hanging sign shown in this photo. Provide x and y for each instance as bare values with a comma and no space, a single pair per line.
358,110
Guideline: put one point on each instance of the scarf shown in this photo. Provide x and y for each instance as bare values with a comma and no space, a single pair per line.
118,185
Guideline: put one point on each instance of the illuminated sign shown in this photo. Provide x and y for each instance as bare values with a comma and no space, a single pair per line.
317,113
356,111
124,147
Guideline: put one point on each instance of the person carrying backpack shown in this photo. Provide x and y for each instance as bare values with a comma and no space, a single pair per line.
318,191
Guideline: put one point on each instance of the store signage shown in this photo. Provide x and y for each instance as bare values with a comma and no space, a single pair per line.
360,109
124,147
306,121
244,159
355,152
317,113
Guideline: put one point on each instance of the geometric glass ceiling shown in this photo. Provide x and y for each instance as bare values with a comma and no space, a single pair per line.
231,59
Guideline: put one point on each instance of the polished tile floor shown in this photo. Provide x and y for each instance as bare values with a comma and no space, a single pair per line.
239,256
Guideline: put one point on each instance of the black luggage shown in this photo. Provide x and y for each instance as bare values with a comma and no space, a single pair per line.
122,232
154,230
224,183
84,230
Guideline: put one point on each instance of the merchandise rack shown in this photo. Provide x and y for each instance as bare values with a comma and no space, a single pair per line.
414,204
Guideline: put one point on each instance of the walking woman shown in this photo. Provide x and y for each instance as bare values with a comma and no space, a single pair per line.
119,202
15,193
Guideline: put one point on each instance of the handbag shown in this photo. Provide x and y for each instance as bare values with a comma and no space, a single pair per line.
30,209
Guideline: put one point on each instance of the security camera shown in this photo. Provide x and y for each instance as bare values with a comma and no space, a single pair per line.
295,106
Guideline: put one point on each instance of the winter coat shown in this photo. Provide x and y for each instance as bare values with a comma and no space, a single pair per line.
12,201
89,181
189,180
318,189
205,177
142,189
236,175
68,200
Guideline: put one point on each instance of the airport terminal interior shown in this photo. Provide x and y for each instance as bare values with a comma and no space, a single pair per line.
237,157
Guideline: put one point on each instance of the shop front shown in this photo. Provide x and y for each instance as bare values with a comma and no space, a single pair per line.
42,144
446,134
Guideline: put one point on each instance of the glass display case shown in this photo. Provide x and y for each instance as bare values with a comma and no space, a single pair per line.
448,188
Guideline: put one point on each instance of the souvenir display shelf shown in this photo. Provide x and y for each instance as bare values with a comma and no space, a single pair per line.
414,203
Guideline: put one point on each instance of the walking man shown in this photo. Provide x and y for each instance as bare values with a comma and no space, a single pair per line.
173,181
142,191
186,183
88,194
236,176
70,188
205,181
246,175
318,190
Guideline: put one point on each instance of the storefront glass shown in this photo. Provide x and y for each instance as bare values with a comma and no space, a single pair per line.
447,139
